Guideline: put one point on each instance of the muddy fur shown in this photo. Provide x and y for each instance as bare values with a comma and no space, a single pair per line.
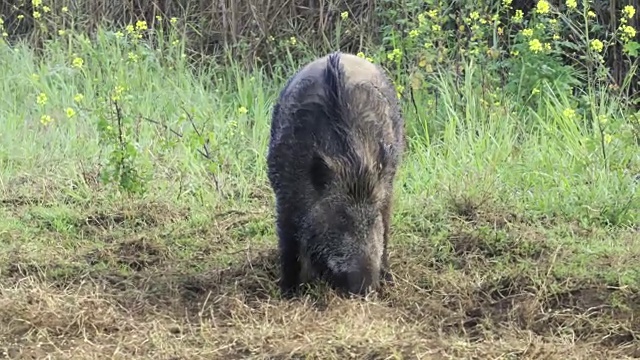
337,138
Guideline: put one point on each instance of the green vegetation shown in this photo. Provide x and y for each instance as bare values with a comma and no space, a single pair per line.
136,217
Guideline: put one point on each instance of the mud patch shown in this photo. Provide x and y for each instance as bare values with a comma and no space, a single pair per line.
470,249
490,243
17,201
594,311
588,312
135,216
136,254
45,272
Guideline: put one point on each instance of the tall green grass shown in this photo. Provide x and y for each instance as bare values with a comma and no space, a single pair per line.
541,161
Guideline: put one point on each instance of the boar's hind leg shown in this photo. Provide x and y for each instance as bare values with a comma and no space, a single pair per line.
289,252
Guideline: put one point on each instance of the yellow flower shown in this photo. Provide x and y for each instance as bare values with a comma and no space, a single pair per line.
158,17
175,42
117,91
421,19
242,110
173,20
119,34
46,9
41,99
129,28
527,32
607,138
70,112
61,32
568,113
542,7
413,33
399,90
517,18
344,15
141,25
78,98
602,119
507,2
572,4
432,13
628,32
20,17
629,11
535,45
591,14
77,62
597,45
5,34
133,57
474,15
36,15
395,54
293,40
360,54
65,9
556,37
36,3
46,120
435,27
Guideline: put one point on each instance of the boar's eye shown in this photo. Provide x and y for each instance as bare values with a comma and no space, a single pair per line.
319,172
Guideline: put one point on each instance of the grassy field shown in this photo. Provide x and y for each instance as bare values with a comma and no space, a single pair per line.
515,236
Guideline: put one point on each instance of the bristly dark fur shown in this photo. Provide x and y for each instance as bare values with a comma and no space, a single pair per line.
334,86
359,180
336,141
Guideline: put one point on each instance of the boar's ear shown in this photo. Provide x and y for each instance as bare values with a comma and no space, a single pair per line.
319,172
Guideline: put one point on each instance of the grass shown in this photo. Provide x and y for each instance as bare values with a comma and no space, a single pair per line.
512,236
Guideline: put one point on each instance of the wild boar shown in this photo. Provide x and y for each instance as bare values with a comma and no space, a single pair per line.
336,141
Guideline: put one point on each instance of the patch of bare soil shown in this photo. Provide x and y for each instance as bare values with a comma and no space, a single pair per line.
131,216
136,254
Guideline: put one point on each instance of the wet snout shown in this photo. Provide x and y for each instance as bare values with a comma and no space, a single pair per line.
363,280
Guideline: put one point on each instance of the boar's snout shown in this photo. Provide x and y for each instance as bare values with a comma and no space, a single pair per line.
361,280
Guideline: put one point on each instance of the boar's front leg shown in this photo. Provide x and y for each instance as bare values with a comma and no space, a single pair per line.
289,255
385,274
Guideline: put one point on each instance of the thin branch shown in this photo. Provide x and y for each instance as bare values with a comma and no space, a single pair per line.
205,152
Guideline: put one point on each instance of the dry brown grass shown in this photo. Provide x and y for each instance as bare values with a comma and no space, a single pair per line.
141,279
230,314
